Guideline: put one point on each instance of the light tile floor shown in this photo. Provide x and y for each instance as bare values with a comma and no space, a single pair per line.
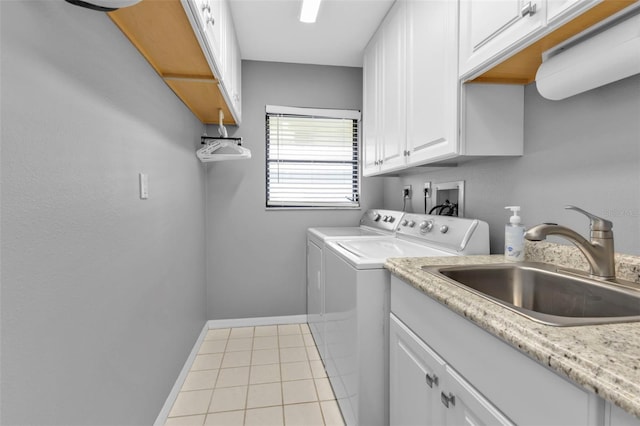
262,376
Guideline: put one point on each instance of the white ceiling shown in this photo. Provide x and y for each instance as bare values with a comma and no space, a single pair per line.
269,30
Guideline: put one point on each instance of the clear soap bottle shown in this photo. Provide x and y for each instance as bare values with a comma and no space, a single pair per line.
514,237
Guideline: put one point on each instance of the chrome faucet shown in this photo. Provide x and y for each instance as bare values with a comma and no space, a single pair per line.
599,251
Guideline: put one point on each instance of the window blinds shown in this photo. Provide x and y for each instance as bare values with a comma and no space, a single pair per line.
312,158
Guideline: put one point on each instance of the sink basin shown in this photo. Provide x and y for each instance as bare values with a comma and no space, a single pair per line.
542,293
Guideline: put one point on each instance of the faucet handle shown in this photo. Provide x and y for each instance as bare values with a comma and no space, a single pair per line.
597,223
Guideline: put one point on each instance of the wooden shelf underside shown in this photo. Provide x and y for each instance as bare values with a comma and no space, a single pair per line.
162,33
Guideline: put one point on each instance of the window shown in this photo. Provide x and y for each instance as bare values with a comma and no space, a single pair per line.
312,157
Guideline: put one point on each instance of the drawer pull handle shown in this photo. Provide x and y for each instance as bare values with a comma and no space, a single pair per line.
528,9
432,380
447,399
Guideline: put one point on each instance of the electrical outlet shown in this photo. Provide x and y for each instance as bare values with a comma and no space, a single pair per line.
406,191
427,189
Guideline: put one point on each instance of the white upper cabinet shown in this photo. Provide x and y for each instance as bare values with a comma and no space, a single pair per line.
561,9
491,27
502,41
384,106
393,87
212,21
432,83
415,111
213,25
232,67
371,104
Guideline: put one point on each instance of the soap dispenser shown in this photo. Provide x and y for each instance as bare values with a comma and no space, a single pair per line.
514,237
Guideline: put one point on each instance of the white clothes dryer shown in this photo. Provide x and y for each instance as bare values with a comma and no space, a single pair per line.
374,223
357,301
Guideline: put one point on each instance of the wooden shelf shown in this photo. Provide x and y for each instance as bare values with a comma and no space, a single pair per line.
162,33
521,68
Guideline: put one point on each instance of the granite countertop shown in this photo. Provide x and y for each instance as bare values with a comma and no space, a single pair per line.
602,358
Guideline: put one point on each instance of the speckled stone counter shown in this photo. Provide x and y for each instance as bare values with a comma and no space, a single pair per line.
602,358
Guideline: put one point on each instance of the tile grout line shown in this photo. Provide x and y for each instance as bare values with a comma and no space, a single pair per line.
215,382
306,358
246,399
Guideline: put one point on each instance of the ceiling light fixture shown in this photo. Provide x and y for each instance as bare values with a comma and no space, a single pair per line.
309,11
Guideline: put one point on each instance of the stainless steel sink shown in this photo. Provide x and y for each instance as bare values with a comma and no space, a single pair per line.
543,293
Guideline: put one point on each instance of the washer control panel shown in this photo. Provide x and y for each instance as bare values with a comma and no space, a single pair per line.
382,219
447,232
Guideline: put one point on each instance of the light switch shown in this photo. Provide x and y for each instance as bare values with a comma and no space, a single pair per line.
144,186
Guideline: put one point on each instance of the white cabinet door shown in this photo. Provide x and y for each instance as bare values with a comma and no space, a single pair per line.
206,24
371,132
615,416
393,119
415,373
230,69
563,9
424,390
237,92
214,27
432,83
414,111
465,406
235,73
224,28
491,28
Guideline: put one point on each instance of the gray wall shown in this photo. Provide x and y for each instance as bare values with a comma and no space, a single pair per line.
256,258
584,150
102,293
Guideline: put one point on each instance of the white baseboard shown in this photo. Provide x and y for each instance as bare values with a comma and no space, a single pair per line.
255,322
168,403
225,323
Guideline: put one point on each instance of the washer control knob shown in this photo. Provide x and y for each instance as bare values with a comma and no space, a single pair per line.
444,229
385,218
404,222
376,217
426,225
391,219
411,224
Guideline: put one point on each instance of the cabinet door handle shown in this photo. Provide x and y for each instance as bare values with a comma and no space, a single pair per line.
431,380
447,399
528,9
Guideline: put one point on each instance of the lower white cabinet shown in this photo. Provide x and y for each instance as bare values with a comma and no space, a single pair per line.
483,379
615,416
415,372
427,391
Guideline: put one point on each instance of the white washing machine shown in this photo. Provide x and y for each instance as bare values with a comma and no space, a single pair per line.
357,289
373,224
